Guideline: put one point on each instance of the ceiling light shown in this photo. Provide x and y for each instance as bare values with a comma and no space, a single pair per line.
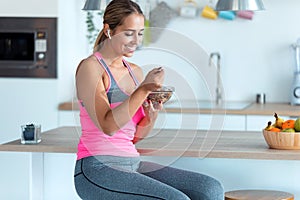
236,5
95,5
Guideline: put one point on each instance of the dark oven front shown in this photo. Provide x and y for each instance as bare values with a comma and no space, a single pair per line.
28,47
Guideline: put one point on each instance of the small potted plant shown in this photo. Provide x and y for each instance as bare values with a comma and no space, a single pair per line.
92,30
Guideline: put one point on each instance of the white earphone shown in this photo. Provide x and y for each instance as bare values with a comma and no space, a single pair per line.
108,33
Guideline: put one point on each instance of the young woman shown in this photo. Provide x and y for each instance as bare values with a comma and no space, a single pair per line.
113,116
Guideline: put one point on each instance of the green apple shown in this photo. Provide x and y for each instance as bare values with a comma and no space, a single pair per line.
297,125
288,130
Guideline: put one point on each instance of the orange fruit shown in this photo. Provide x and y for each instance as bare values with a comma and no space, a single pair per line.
275,129
290,123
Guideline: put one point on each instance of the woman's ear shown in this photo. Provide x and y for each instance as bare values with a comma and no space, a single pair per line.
106,31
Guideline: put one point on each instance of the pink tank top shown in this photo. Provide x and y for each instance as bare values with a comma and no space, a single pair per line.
93,141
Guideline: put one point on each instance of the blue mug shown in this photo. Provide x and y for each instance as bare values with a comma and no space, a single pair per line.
229,15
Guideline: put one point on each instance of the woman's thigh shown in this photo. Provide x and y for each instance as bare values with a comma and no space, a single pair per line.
194,185
98,181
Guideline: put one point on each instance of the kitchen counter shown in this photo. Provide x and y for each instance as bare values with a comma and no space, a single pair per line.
178,143
283,109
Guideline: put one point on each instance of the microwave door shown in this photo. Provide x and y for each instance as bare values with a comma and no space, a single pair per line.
17,47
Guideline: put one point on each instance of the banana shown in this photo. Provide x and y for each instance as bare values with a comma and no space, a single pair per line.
269,126
278,121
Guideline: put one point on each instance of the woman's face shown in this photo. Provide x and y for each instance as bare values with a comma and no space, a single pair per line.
128,36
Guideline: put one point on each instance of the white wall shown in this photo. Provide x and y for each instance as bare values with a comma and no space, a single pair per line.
256,55
72,45
28,8
24,100
254,52
27,100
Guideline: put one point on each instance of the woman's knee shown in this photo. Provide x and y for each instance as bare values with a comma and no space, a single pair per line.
213,190
217,190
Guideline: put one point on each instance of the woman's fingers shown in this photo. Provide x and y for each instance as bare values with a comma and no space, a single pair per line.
158,106
154,79
155,106
159,69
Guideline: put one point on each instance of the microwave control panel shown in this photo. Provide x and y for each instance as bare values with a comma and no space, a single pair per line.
41,47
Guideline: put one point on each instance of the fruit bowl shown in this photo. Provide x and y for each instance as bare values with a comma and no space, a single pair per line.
161,95
282,140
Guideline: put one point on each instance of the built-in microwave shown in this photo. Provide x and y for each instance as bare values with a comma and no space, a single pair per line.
28,47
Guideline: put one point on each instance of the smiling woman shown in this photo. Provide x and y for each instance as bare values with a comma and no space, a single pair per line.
113,116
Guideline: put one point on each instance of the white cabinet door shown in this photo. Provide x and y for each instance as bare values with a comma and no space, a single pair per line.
202,121
223,122
68,118
176,121
257,123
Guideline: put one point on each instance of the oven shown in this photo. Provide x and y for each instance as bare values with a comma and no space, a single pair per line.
28,47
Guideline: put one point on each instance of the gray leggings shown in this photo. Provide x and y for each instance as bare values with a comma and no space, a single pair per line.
114,178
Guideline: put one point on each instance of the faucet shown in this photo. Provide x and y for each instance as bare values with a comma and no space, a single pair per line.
218,88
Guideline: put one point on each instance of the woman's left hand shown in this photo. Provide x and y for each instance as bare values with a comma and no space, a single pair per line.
152,109
147,123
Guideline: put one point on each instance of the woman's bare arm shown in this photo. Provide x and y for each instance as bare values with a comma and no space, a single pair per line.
151,112
91,90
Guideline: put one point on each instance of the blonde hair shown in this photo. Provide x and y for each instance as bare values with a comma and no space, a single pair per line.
114,15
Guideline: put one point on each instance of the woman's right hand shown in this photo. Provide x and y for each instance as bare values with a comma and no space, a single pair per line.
154,79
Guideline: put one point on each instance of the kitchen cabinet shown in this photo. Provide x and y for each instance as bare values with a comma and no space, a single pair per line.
257,123
176,121
200,121
252,118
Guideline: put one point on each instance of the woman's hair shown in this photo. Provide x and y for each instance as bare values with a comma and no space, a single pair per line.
114,15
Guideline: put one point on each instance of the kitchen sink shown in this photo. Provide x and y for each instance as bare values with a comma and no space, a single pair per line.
199,104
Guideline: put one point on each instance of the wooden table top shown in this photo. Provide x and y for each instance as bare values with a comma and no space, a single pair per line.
258,194
167,142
